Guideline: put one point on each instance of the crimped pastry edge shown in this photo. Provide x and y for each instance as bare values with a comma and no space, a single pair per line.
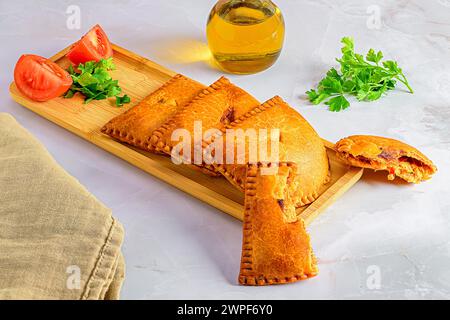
305,199
155,139
247,247
127,137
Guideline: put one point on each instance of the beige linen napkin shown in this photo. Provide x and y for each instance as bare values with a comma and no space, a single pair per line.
56,240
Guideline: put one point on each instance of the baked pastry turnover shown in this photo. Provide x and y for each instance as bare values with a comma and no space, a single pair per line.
218,105
298,143
276,248
378,153
136,125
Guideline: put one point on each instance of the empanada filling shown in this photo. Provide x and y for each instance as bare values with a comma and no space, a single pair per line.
406,167
283,190
281,204
375,164
228,116
414,168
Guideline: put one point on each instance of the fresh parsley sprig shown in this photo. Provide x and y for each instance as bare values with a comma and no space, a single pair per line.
93,80
366,78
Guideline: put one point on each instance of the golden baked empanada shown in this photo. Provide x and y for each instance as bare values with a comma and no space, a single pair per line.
298,143
219,104
136,125
276,248
380,153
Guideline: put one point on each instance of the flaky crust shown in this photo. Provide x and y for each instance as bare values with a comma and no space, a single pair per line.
215,106
379,153
136,125
299,144
276,248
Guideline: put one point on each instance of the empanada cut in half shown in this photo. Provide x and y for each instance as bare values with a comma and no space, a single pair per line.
219,104
136,125
378,153
298,143
276,248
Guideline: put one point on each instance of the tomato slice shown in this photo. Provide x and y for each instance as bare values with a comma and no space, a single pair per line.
93,46
40,79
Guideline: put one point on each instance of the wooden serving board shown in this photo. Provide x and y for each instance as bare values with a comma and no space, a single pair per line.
138,77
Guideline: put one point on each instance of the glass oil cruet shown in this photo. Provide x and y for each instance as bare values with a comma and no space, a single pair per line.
245,36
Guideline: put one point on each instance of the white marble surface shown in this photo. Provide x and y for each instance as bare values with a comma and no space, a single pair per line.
178,247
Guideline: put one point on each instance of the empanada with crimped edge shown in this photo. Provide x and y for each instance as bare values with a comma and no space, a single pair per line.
298,143
276,248
218,105
136,125
379,153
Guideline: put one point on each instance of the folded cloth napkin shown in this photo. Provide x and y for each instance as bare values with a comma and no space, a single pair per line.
56,240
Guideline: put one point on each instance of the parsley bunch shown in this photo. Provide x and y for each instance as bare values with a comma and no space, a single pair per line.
366,78
93,80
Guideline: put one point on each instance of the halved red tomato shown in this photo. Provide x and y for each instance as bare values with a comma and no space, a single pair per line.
40,79
93,46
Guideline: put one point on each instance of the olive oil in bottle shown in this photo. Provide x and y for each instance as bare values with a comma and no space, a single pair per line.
245,36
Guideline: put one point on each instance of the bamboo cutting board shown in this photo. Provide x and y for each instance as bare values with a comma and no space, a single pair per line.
138,77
